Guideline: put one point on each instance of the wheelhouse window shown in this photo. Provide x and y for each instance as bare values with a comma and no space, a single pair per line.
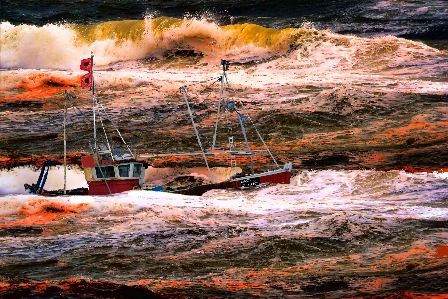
137,170
123,170
104,172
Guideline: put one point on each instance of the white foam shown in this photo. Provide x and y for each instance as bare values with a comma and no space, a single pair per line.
12,182
366,200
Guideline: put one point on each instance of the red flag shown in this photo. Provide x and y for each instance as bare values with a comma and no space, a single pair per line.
86,64
86,80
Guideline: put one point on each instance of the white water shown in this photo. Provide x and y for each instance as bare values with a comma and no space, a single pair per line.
324,222
392,196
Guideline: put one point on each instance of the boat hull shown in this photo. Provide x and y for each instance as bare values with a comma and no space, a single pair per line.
277,177
115,186
274,177
78,191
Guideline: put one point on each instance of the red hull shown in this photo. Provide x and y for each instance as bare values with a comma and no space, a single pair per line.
115,186
278,178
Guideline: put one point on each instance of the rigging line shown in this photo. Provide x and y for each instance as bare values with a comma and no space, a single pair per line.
200,82
262,140
234,91
104,177
208,87
105,134
250,119
219,79
95,149
118,131
228,126
76,125
200,93
84,117
74,106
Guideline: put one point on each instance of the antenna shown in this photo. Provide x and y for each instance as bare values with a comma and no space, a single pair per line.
225,65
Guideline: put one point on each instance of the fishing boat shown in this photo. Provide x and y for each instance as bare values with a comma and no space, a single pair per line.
279,175
107,169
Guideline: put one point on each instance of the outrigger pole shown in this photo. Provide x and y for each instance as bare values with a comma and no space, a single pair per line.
184,93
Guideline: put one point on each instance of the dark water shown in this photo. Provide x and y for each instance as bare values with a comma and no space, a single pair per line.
417,20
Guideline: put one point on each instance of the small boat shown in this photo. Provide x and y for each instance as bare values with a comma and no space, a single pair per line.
279,175
77,191
107,169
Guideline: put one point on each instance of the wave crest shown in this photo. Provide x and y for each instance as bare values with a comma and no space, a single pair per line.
61,46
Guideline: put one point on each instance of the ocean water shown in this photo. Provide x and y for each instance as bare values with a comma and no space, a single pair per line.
329,234
343,233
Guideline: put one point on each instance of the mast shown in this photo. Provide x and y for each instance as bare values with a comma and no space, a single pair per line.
95,147
65,143
94,105
225,67
184,93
